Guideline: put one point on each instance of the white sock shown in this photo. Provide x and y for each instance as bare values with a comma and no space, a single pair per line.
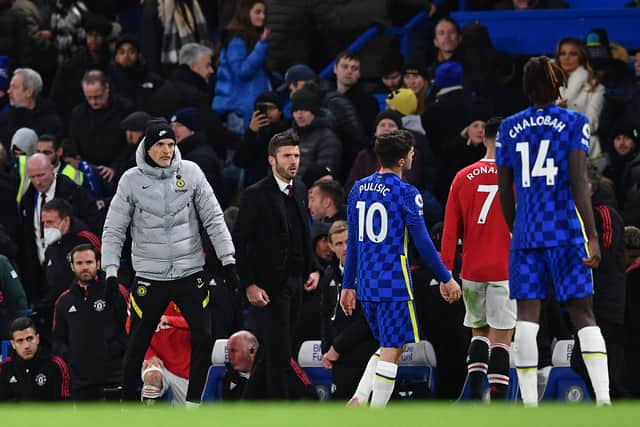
526,357
366,382
594,354
150,392
383,383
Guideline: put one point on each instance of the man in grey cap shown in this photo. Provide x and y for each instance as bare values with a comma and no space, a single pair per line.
164,199
23,142
133,126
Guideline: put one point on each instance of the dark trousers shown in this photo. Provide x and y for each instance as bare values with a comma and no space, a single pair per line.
348,369
275,325
93,392
149,299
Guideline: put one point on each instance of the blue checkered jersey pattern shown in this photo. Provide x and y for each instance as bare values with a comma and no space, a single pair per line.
381,211
536,143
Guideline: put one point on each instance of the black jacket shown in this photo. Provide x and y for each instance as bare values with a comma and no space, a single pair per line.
89,332
196,149
185,89
97,133
348,125
42,119
84,207
261,234
67,88
56,264
319,144
43,378
608,278
342,332
12,35
136,83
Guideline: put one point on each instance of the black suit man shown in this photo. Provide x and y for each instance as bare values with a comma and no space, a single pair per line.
275,264
44,186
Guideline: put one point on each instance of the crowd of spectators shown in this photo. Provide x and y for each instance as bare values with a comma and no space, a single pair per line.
77,93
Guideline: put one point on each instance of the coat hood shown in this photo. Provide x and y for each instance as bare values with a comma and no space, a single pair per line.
157,172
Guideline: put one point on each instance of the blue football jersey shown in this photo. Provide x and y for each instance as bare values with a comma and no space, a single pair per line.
536,143
379,210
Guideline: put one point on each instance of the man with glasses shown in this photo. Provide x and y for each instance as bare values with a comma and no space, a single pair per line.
95,124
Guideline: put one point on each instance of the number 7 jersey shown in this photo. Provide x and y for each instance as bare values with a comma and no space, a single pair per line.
381,212
536,143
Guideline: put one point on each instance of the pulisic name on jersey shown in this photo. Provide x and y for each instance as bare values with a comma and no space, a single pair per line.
553,122
372,186
482,170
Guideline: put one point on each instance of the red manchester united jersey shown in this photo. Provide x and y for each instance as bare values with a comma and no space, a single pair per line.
473,213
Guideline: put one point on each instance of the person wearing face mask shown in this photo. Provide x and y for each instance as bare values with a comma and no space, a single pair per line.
62,232
44,186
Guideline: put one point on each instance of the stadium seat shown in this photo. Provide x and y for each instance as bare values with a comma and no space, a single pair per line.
417,366
310,360
219,357
564,384
6,345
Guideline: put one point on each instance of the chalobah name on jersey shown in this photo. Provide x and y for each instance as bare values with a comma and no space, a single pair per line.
371,186
480,170
528,122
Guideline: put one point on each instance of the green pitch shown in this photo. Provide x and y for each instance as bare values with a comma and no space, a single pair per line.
321,415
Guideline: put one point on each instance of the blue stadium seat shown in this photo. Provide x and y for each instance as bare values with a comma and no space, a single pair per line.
418,364
310,360
6,346
564,384
219,357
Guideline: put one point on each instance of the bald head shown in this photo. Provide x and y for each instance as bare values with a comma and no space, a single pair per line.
40,172
241,348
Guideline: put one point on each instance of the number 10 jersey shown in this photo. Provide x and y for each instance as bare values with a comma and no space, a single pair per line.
381,211
536,143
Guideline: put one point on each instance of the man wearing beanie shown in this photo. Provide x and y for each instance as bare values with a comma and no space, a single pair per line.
163,200
319,145
266,121
366,161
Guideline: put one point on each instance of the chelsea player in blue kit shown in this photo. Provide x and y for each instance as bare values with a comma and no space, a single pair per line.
382,212
542,152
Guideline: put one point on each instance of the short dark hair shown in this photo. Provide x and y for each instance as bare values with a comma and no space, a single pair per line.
59,205
631,238
542,80
81,248
20,324
451,21
393,146
95,76
283,139
491,127
332,189
348,54
48,137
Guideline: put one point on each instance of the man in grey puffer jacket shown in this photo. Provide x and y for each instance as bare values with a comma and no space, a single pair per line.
163,200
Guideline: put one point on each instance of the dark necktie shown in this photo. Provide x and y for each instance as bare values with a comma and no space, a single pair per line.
43,201
290,190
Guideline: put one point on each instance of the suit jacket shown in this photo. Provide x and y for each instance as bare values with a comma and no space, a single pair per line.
84,207
261,234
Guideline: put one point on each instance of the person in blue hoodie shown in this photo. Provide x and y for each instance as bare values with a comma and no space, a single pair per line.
242,72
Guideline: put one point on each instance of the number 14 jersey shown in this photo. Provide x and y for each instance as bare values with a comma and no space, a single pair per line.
536,143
